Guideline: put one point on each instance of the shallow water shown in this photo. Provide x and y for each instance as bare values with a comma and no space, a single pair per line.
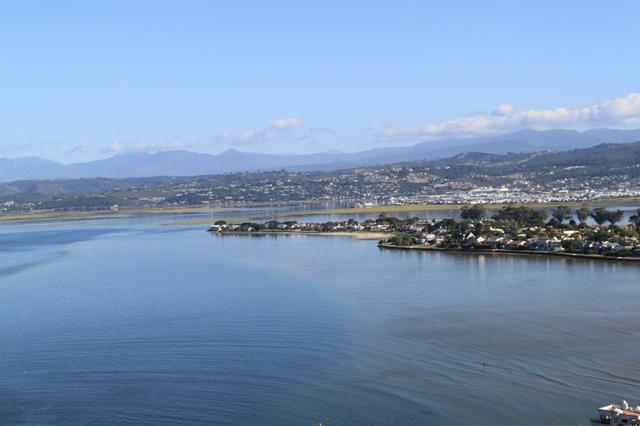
125,321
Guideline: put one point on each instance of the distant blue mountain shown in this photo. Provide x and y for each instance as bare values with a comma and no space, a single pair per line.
28,167
185,163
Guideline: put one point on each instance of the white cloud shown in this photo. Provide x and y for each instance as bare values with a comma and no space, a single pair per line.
114,148
275,130
505,118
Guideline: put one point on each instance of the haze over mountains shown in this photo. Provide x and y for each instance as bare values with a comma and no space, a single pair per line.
185,163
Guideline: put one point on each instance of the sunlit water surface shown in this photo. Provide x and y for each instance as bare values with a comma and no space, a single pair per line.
126,321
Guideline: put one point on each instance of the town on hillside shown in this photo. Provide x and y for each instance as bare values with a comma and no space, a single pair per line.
607,171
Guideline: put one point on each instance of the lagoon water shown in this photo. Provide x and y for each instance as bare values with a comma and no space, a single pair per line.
125,321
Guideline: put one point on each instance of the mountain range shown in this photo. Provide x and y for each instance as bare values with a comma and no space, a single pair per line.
186,163
603,169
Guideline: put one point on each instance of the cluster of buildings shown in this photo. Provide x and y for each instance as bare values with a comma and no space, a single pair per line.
533,238
389,185
293,226
512,194
489,235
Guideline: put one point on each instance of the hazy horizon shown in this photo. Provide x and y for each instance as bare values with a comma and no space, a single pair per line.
248,150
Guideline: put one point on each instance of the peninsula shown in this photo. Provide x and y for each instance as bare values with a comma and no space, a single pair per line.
588,233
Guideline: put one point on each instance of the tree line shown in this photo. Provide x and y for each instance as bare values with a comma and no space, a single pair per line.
523,215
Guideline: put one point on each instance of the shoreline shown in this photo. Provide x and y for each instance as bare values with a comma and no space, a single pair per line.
514,253
77,215
34,217
357,235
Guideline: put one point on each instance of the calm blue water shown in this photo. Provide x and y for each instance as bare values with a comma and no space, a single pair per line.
124,321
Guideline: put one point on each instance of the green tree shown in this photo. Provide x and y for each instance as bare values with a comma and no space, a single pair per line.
328,226
272,224
412,220
536,218
474,212
553,222
599,215
635,220
583,214
561,213
572,245
521,215
614,217
401,240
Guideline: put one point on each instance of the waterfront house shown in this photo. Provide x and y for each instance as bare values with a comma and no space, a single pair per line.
494,239
538,244
555,244
612,247
469,240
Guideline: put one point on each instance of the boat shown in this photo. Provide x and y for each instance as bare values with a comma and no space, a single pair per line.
617,415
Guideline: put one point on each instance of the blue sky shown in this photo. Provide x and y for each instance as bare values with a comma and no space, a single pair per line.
83,80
